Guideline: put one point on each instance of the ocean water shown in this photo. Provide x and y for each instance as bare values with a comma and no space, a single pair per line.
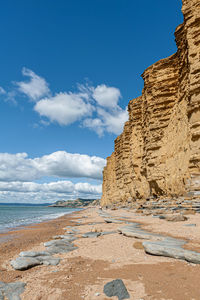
12,216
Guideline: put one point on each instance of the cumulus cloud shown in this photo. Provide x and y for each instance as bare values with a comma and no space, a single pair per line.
96,108
106,96
107,121
63,187
18,167
35,88
64,108
31,192
113,120
96,125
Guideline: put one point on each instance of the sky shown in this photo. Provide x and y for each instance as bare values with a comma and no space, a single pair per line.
68,70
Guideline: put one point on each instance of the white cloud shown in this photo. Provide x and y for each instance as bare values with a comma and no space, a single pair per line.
113,120
108,121
65,187
96,108
31,192
35,88
96,125
18,167
99,103
64,108
106,96
86,188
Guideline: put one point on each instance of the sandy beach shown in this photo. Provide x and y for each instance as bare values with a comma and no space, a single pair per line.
83,272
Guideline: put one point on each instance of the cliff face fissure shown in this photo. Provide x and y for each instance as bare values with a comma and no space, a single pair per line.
158,153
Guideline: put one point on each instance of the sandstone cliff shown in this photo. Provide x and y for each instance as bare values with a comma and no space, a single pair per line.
158,153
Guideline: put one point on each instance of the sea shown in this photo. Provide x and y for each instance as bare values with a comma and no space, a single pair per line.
12,216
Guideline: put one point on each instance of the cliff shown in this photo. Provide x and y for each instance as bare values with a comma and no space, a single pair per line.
158,153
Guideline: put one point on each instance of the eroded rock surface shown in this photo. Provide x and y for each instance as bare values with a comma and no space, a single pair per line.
158,153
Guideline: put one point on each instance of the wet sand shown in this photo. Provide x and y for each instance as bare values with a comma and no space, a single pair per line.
82,273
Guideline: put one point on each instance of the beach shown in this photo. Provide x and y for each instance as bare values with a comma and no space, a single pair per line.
83,272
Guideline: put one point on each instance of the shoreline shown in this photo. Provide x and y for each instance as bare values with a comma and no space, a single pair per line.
82,273
29,236
23,226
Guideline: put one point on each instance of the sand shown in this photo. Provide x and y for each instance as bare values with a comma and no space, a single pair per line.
82,273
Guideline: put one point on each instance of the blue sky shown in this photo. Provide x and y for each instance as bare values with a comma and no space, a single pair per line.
68,71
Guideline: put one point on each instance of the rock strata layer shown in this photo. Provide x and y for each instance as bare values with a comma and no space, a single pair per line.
158,153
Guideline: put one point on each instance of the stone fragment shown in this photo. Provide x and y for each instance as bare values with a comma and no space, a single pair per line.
116,288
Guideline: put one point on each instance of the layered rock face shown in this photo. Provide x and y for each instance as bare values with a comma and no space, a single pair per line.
158,153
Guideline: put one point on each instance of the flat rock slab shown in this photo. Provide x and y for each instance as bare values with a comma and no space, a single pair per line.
11,291
161,245
135,232
91,234
56,249
108,232
33,253
49,260
116,288
68,237
29,259
24,263
57,243
173,251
